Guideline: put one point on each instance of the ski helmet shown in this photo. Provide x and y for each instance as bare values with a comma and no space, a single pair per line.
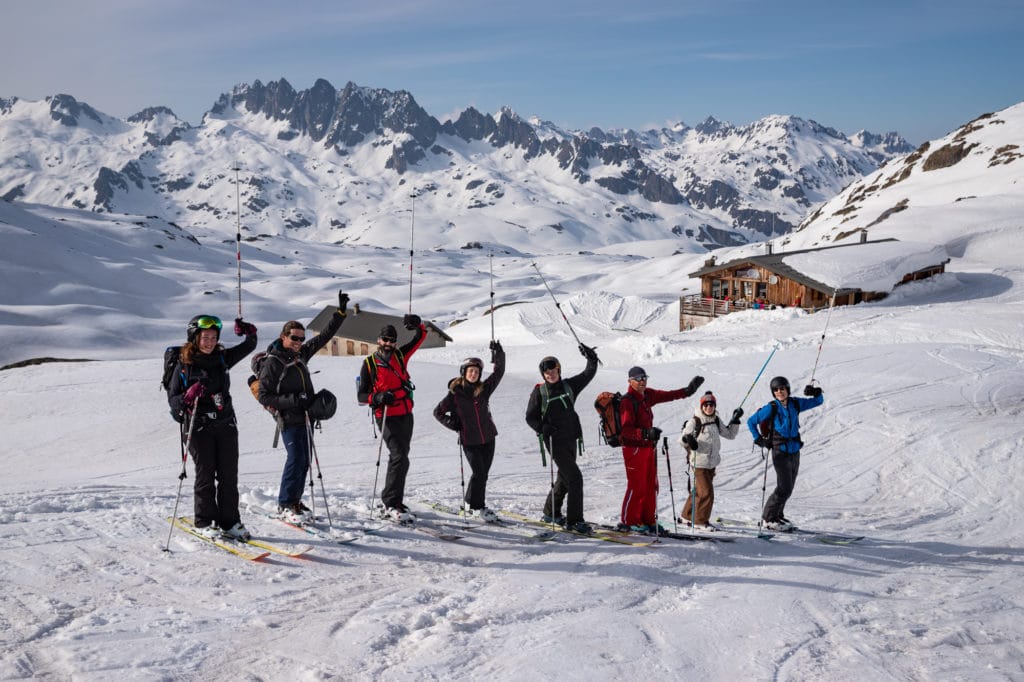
202,322
550,362
779,382
470,362
324,406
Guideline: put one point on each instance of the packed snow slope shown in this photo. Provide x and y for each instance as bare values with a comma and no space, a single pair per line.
915,448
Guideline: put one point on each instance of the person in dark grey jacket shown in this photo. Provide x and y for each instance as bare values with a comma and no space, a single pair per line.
552,414
465,409
286,386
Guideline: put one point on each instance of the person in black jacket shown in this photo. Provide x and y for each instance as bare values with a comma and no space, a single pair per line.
552,415
286,386
199,390
465,409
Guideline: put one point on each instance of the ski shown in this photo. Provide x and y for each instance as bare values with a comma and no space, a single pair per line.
825,537
505,524
236,548
431,530
675,536
598,533
341,536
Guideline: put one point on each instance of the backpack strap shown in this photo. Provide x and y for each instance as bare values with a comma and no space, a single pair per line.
546,398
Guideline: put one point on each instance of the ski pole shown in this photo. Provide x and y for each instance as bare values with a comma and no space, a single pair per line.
380,449
764,489
671,492
559,306
238,237
759,374
181,477
828,318
412,232
462,475
319,475
491,260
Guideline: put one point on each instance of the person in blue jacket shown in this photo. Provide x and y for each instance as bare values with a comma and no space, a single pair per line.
782,415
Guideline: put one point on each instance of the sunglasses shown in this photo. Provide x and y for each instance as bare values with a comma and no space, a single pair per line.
209,322
293,337
781,388
642,377
709,404
388,339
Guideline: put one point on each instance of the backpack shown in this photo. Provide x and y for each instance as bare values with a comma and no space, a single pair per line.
546,399
766,427
371,367
171,355
698,425
256,365
609,412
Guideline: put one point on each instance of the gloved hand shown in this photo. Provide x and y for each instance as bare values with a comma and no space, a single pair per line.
694,384
549,429
194,393
243,328
342,302
589,353
383,398
411,321
496,351
812,391
652,434
689,441
736,414
452,422
762,442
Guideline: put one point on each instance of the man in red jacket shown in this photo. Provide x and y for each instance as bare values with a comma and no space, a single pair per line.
639,449
384,383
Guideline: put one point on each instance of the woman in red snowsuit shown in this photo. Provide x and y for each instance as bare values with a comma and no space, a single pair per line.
639,448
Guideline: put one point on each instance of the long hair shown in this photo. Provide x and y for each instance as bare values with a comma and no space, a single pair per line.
191,349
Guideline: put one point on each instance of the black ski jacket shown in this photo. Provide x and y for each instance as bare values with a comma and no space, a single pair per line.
212,371
560,411
285,382
466,407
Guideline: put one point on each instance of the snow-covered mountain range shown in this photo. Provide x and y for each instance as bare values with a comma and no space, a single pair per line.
337,166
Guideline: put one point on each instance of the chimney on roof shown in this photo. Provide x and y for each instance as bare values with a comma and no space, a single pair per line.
710,262
768,248
863,236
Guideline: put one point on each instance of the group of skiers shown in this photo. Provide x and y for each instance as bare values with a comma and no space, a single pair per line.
198,395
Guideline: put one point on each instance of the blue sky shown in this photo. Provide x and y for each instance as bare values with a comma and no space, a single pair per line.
920,68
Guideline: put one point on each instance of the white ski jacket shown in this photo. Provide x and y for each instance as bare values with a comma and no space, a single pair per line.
709,441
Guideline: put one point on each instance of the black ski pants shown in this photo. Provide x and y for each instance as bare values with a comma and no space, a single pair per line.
214,450
787,465
568,482
397,435
480,458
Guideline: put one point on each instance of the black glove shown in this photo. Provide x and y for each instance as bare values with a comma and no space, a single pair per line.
243,328
812,391
689,441
652,434
762,442
411,321
496,351
452,423
736,414
342,302
694,384
549,429
589,353
383,398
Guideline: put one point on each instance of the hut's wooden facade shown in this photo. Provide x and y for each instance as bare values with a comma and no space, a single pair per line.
766,281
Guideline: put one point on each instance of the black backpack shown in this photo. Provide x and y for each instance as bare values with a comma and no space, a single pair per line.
171,355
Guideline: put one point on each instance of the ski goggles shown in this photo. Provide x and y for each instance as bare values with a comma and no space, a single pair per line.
549,365
209,322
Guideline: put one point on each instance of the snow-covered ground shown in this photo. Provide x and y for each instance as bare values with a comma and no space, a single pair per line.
915,448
